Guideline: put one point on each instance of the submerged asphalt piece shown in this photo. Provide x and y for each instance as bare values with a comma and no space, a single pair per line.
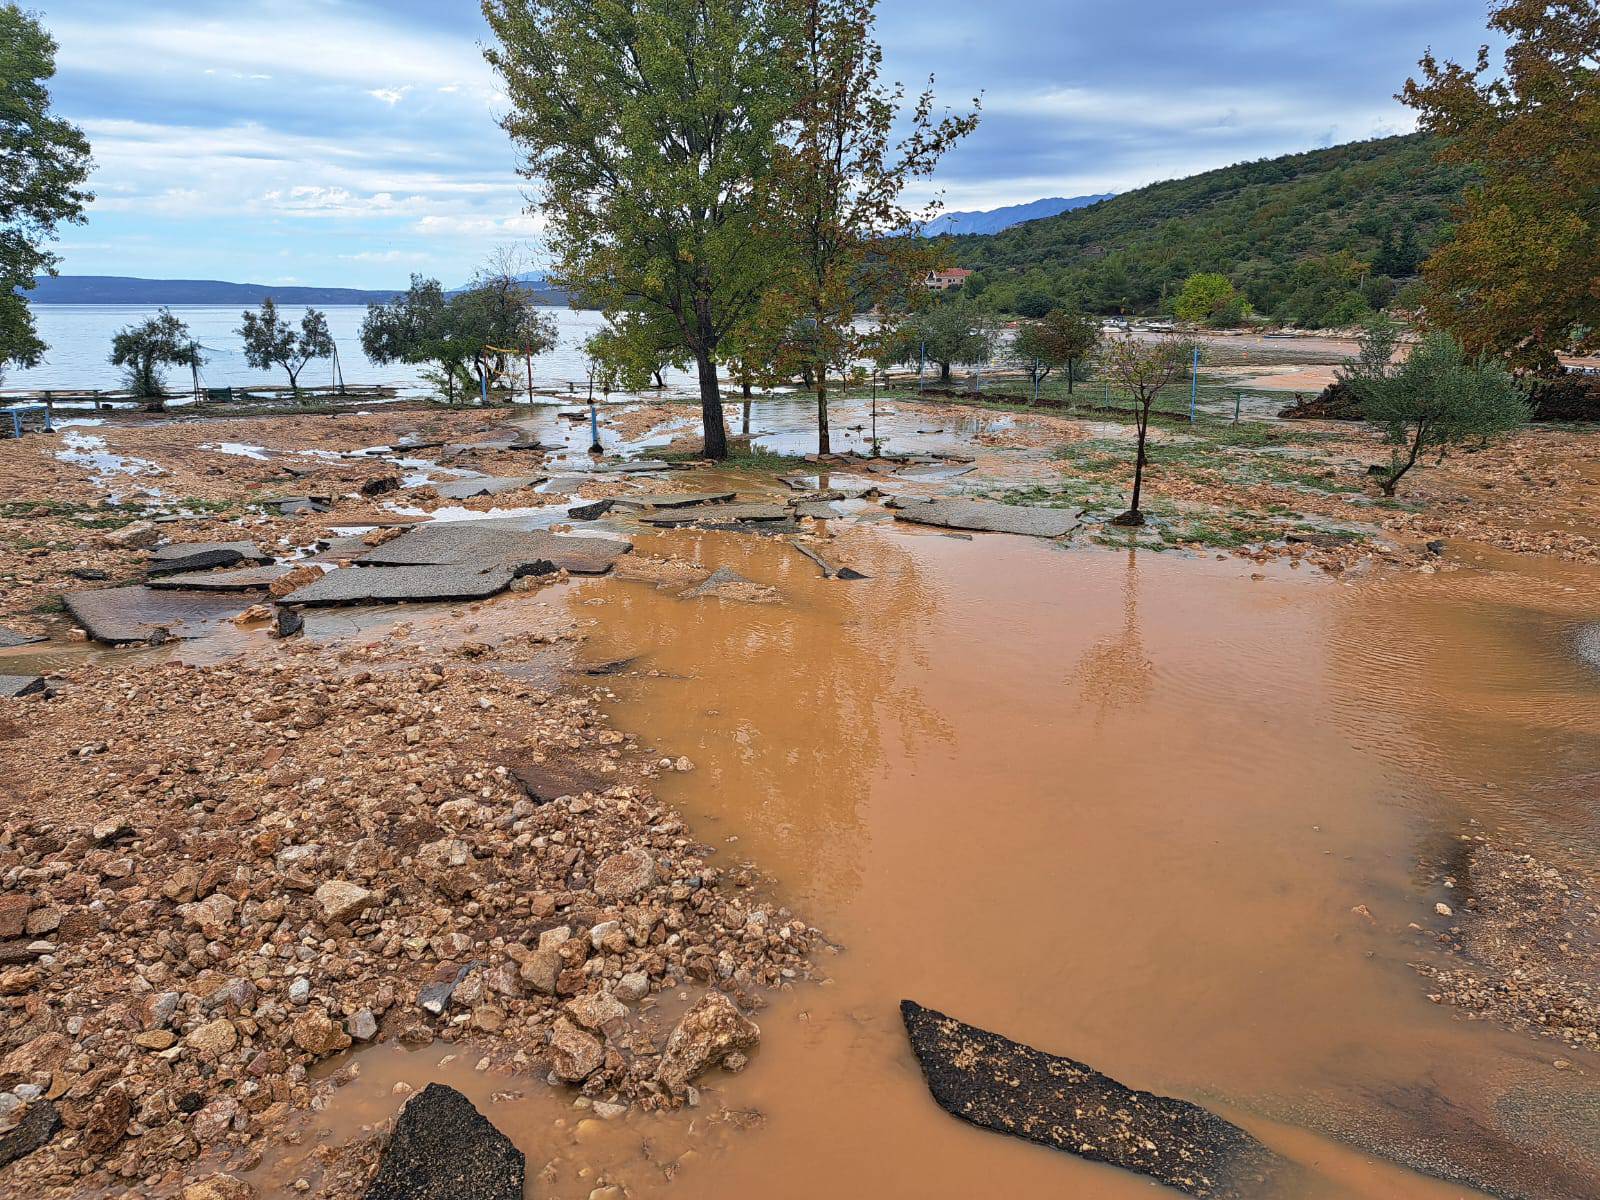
484,544
487,485
829,570
443,1148
21,685
10,638
199,556
987,517
672,500
1002,1085
726,514
244,579
136,614
418,584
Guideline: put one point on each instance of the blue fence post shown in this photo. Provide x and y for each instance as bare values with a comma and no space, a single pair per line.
1194,382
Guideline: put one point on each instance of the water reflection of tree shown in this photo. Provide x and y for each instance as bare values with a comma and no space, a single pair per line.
1116,673
793,712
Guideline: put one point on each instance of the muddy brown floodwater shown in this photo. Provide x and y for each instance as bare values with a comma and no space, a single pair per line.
1120,807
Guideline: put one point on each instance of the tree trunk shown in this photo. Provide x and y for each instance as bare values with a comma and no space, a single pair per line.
824,446
1072,369
944,372
711,406
746,429
1133,516
660,383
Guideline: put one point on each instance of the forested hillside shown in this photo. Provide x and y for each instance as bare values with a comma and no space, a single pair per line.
1312,239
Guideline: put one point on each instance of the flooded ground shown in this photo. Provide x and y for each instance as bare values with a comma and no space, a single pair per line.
1164,813
1120,806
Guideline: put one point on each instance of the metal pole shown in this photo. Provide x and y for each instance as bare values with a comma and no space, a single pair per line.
1194,382
922,360
483,380
874,414
594,420
528,358
1237,401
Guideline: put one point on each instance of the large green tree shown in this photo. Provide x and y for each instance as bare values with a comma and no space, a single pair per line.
1062,338
840,174
146,349
1521,277
44,164
650,128
952,331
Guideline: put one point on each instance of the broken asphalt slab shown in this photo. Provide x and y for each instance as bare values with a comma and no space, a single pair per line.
21,685
416,584
987,517
199,556
443,1148
484,544
725,514
547,781
244,579
487,485
673,500
829,570
1004,1086
117,616
10,638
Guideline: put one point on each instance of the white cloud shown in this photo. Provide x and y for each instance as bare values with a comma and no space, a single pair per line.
390,96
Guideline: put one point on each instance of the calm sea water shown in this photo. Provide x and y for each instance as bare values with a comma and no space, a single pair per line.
79,337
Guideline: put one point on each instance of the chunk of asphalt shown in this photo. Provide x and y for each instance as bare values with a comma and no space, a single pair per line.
118,616
21,685
487,485
725,514
591,510
199,556
547,781
443,1148
10,638
293,506
416,584
485,543
987,517
244,579
829,570
673,500
38,1125
1001,1085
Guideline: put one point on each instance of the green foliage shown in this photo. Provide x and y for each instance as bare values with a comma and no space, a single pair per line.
144,349
1436,398
44,163
651,127
955,331
1210,299
270,341
1060,340
632,350
1300,235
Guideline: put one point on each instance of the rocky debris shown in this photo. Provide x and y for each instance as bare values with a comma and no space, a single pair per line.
1526,936
574,1054
341,900
38,1125
727,584
672,499
995,1083
220,1187
436,996
1336,402
485,485
183,557
381,585
623,875
137,535
443,1148
195,961
21,685
10,638
380,485
244,579
119,616
987,517
492,543
721,514
713,1033
664,573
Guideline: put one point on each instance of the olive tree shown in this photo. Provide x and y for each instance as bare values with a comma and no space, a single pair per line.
1144,367
1060,339
270,341
956,331
1437,397
145,349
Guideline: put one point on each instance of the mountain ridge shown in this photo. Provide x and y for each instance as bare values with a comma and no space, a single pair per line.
996,220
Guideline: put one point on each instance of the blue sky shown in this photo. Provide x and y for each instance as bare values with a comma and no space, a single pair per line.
351,142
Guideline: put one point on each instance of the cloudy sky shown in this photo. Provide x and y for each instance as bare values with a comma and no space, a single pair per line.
351,142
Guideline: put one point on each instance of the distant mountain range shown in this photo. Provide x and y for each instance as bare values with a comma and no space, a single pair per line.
956,224
123,289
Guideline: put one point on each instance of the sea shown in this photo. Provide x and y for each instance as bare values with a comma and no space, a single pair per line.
79,339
